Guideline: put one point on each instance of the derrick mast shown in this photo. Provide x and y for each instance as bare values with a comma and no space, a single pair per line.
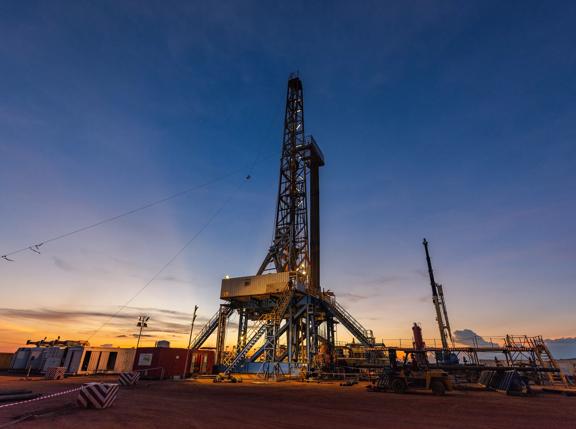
290,246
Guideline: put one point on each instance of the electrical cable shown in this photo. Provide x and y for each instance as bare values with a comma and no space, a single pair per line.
173,258
188,243
36,247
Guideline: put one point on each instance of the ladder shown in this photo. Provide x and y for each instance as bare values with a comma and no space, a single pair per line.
258,329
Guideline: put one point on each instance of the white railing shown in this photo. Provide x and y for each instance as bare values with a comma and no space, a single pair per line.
145,371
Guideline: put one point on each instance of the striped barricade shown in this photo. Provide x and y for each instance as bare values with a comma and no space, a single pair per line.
55,373
97,395
128,378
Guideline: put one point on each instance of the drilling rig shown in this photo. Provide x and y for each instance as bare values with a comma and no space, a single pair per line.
285,319
440,307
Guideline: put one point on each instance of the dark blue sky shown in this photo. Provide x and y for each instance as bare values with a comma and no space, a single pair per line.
449,120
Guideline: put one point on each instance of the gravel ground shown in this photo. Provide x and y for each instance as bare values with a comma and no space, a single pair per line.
252,404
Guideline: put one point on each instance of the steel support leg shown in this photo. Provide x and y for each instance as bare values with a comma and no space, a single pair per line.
242,329
221,335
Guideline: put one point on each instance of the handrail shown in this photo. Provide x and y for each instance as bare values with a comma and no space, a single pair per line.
207,329
347,318
241,354
152,369
351,318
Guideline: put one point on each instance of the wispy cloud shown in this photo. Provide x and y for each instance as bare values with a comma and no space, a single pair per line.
161,320
173,314
381,280
64,316
70,267
421,273
424,298
135,335
351,297
63,265
171,278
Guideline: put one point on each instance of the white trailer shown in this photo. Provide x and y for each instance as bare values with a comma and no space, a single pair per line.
98,360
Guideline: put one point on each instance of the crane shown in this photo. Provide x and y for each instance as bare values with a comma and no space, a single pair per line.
439,304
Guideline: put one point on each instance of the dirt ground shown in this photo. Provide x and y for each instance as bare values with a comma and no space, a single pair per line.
254,404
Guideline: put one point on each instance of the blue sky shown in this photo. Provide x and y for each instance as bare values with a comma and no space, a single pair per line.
439,119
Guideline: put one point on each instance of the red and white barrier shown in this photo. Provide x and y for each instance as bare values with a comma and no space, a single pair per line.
41,398
128,378
55,373
97,395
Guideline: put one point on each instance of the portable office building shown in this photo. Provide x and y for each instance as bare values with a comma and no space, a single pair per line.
162,362
35,359
98,360
77,359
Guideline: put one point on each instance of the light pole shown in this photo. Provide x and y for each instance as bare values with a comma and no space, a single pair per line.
189,342
141,324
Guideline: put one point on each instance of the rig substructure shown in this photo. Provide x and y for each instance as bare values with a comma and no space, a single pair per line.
286,320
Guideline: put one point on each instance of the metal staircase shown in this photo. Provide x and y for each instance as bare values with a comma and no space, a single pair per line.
281,330
233,361
365,336
547,361
209,328
259,328
535,348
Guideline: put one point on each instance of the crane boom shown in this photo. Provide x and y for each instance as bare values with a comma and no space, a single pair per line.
439,303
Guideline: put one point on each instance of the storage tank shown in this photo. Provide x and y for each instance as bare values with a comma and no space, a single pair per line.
418,340
165,344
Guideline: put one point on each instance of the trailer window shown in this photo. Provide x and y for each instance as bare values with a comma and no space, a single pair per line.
86,360
97,367
111,361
